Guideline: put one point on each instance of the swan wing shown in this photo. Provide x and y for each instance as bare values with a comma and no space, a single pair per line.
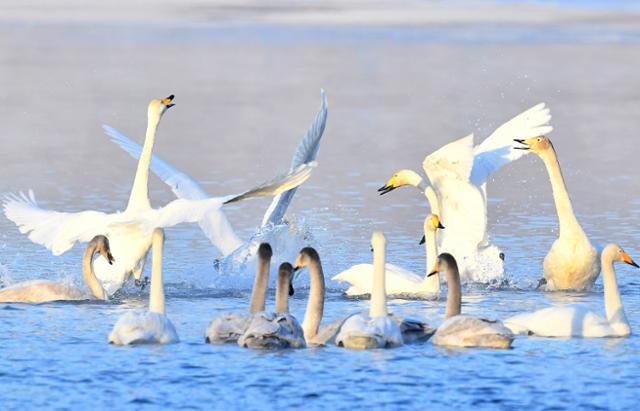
398,280
55,230
452,161
497,149
227,328
181,184
307,151
567,321
470,331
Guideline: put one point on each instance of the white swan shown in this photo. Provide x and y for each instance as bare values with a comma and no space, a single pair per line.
153,326
42,291
314,335
458,173
215,224
459,330
228,327
276,330
398,280
572,262
579,321
129,231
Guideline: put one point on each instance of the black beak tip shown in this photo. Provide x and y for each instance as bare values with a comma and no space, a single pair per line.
110,259
432,273
292,291
440,226
295,269
422,240
170,105
633,263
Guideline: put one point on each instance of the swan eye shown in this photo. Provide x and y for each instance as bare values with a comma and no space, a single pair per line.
539,139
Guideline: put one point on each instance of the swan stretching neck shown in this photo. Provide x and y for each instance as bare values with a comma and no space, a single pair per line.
261,282
284,287
407,177
309,258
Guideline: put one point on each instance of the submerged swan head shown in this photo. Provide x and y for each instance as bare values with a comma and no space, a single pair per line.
307,256
401,178
101,244
617,254
158,106
431,223
537,145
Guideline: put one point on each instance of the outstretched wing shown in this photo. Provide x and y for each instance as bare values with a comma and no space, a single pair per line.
307,151
191,211
497,149
57,231
453,160
181,184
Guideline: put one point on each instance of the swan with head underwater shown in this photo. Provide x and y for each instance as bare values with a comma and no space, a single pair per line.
152,326
129,231
572,262
215,224
364,331
42,291
228,327
399,281
458,173
580,321
460,330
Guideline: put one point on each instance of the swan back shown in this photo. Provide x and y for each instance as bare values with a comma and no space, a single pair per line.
468,331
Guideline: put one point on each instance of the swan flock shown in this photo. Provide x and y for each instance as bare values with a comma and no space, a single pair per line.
457,246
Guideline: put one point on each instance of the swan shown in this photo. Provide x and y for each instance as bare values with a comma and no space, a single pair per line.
314,335
228,327
398,280
572,262
459,330
153,326
129,231
279,329
579,321
458,173
215,224
42,291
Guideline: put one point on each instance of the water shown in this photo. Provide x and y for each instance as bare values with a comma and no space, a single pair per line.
245,94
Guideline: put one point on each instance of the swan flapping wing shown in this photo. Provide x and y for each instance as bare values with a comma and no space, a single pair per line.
306,151
57,231
181,184
453,160
497,149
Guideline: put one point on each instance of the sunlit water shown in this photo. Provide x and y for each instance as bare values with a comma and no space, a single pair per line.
242,103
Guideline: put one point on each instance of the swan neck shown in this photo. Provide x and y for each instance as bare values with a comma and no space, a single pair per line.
566,217
315,305
431,284
282,295
156,294
432,199
378,306
454,296
612,302
139,197
89,275
260,284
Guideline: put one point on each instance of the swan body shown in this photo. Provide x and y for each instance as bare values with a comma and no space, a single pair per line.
580,321
153,326
458,173
465,330
214,223
229,327
573,262
42,291
398,280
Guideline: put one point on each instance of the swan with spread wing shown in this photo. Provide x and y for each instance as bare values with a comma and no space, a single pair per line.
458,173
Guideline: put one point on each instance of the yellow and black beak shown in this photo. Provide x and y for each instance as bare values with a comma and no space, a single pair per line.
423,239
521,141
387,188
168,101
434,272
629,260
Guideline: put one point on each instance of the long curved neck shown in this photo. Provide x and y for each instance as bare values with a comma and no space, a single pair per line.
566,217
89,275
259,291
139,197
612,302
282,294
156,294
378,305
315,305
432,199
431,284
454,297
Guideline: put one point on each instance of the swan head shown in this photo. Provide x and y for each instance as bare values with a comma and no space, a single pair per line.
617,253
158,106
102,247
378,242
445,263
431,223
285,275
399,179
536,145
264,251
306,256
